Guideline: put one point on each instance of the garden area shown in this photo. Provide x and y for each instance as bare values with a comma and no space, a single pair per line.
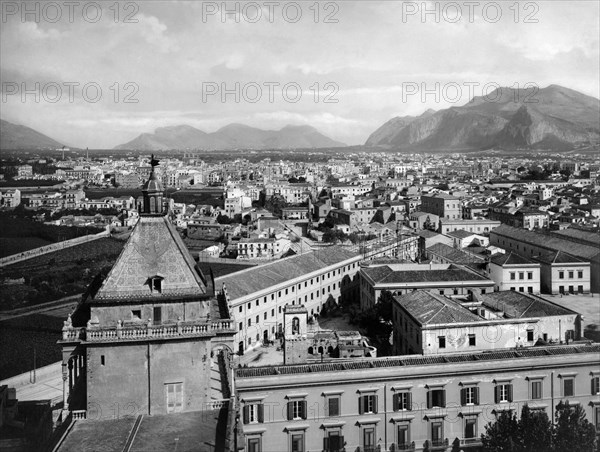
56,275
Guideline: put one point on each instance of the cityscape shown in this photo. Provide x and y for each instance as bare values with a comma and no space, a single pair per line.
303,249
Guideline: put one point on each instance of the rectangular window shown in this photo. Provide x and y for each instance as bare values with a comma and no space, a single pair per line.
521,275
296,409
570,275
579,274
529,335
595,386
441,341
561,275
568,387
333,406
297,442
437,433
436,398
529,275
469,396
241,326
471,428
240,309
102,360
369,439
333,442
403,438
174,396
253,444
367,404
403,401
136,314
536,389
253,413
472,340
512,275
503,392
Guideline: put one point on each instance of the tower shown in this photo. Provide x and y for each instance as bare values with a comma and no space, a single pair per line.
148,334
295,329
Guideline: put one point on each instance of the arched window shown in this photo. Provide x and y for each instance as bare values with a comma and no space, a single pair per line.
295,325
310,350
320,350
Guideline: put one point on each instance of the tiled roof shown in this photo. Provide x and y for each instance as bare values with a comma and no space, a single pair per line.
420,360
384,274
558,257
461,234
430,308
510,259
519,304
259,278
454,254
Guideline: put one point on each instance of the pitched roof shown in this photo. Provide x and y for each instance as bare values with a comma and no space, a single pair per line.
558,257
263,277
461,234
522,305
510,259
429,308
153,249
386,274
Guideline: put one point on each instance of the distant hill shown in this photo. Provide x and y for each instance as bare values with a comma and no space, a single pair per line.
232,136
15,136
554,118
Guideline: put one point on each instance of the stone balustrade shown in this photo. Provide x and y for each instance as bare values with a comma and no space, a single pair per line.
128,333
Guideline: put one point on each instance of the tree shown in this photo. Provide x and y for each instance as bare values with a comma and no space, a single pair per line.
535,431
573,431
385,306
501,436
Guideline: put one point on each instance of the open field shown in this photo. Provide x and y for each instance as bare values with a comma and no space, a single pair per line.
59,274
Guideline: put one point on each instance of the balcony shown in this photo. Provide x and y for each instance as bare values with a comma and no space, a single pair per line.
403,447
146,332
436,444
471,442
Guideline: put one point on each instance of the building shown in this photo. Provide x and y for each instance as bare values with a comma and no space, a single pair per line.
513,272
262,248
411,403
399,279
531,244
563,273
442,205
480,226
428,323
10,198
463,239
423,220
149,333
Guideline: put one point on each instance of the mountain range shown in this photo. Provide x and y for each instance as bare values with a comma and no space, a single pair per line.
14,136
232,136
553,118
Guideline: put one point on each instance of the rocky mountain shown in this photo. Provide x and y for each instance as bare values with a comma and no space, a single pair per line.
232,136
15,136
552,118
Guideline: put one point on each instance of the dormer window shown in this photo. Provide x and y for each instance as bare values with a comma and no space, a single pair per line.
155,284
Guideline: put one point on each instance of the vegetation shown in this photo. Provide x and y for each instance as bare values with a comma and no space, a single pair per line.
377,322
533,431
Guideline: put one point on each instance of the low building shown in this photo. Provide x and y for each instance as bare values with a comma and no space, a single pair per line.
399,279
563,273
513,272
262,248
480,226
463,239
442,205
423,220
11,198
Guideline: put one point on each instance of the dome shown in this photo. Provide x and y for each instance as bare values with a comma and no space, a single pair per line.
153,183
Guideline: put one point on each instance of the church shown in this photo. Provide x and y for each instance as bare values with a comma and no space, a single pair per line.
149,337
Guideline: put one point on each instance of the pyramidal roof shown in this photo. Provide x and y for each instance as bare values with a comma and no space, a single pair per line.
154,254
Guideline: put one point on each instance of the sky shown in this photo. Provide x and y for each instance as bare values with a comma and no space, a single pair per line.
98,74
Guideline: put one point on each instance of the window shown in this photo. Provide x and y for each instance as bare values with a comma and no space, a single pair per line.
512,275
469,395
536,389
369,439
521,275
240,309
241,326
529,275
561,275
503,392
595,385
333,441
403,436
254,444
333,406
442,341
579,274
471,429
174,396
296,409
403,401
436,397
367,404
249,305
569,387
253,413
472,340
249,322
136,314
102,360
570,274
297,442
437,433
